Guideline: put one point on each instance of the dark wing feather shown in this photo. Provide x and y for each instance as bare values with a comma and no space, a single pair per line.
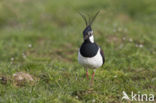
102,54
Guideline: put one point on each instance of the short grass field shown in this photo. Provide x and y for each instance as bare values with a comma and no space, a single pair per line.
41,38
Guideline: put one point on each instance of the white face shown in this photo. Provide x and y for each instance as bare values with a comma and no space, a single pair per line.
91,38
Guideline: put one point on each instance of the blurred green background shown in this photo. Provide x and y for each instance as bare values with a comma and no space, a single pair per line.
42,38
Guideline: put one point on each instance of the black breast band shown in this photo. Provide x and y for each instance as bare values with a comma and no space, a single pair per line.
89,49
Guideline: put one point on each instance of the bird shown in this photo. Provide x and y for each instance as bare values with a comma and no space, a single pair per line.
90,55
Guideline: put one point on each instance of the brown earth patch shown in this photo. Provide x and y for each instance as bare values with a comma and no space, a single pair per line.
3,79
22,78
123,17
81,93
113,39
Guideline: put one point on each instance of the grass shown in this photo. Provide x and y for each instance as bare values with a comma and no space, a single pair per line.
42,38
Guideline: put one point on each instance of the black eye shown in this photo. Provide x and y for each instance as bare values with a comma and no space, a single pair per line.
89,34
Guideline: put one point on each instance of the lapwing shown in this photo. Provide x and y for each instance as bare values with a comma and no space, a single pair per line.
90,55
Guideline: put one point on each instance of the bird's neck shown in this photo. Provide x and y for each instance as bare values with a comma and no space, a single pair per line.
90,39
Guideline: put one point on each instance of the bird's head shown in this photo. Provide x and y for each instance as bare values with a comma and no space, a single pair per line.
88,32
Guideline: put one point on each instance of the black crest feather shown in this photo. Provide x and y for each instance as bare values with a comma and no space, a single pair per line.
84,18
90,20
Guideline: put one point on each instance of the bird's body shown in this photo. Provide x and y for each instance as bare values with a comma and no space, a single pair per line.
90,55
91,62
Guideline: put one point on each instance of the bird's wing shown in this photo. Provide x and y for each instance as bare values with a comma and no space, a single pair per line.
102,54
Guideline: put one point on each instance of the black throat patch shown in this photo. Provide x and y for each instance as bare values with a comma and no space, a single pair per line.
88,49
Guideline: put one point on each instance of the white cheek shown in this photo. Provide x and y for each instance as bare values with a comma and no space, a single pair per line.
91,38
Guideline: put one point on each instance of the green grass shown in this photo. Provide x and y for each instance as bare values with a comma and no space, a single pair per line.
125,29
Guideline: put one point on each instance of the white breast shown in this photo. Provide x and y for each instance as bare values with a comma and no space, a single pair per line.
91,62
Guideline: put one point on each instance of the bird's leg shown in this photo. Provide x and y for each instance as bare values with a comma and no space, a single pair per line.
92,80
87,74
